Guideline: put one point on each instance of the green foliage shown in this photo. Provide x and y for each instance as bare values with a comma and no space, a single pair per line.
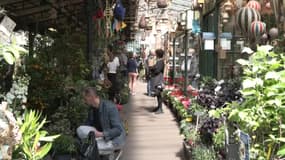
201,152
35,143
189,132
17,96
262,112
65,144
219,138
55,59
11,52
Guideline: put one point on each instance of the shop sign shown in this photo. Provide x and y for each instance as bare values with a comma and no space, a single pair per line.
7,26
226,40
209,38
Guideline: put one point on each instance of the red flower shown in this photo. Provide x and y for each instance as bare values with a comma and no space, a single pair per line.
98,15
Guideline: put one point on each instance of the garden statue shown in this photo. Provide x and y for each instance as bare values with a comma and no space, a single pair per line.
9,132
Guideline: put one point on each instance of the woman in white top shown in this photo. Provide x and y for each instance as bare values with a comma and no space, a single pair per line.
113,65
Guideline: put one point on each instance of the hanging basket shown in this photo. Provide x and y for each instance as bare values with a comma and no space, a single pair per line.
162,3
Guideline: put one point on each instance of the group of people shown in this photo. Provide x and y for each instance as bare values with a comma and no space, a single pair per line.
103,117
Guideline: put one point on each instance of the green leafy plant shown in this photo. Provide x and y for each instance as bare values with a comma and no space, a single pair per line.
189,132
65,144
219,138
11,52
262,112
201,152
35,143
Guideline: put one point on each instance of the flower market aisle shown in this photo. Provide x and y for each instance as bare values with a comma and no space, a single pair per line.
150,136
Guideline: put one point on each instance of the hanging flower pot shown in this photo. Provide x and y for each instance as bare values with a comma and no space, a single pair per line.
245,16
162,3
254,4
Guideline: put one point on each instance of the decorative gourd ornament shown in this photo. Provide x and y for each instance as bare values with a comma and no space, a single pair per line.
245,16
254,4
257,28
273,33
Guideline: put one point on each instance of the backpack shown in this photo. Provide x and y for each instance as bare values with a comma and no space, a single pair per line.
119,11
89,149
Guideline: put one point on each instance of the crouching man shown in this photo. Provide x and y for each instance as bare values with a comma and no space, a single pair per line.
104,121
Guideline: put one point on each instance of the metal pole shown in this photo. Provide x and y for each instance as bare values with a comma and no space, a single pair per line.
173,60
186,57
89,7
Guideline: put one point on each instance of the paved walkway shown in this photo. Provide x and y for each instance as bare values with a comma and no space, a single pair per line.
151,137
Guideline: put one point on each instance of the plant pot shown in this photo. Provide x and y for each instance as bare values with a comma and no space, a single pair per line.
187,151
63,157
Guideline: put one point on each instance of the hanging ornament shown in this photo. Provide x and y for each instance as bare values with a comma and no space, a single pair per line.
254,4
257,29
264,38
239,3
228,6
275,5
225,17
245,16
195,5
267,5
273,33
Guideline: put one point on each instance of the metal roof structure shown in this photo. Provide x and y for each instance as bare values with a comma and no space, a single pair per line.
43,14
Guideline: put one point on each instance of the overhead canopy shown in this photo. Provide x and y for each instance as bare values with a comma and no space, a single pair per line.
44,14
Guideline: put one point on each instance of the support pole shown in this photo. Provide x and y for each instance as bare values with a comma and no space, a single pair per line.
186,46
173,60
90,29
31,41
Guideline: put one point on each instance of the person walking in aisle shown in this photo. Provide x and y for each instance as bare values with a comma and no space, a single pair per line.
113,65
150,62
157,79
132,67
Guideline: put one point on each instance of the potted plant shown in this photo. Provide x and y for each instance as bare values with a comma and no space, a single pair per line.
202,152
64,147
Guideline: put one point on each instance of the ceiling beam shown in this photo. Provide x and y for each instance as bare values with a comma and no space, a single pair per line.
5,2
32,10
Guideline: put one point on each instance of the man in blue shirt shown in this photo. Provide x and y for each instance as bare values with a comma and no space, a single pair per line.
104,120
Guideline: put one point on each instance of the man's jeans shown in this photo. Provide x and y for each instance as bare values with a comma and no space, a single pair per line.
149,87
103,146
